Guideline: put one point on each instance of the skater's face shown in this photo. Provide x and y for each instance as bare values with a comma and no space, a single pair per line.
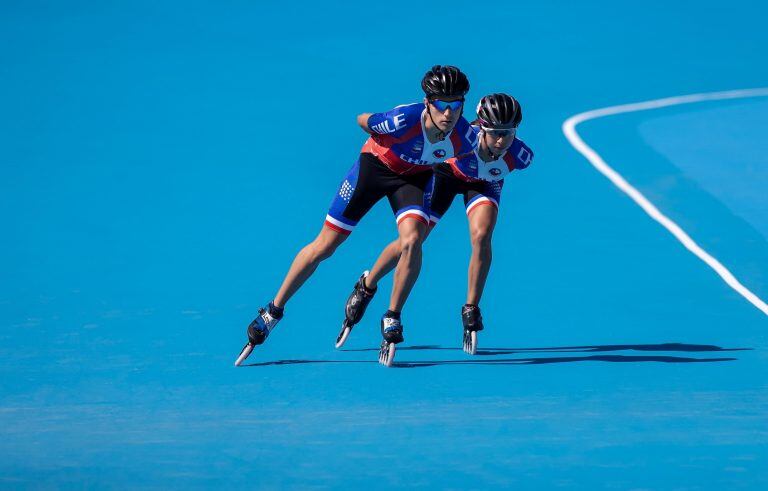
498,141
445,111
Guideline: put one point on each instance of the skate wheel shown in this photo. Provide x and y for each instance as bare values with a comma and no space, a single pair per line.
387,353
247,350
470,342
343,334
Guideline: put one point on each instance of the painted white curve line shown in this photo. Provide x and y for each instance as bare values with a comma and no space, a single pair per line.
569,129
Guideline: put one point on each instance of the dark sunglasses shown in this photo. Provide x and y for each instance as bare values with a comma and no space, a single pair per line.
443,105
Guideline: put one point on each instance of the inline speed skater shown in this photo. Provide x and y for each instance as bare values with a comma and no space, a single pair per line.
444,90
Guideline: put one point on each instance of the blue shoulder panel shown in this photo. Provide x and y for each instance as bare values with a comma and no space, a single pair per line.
522,153
397,121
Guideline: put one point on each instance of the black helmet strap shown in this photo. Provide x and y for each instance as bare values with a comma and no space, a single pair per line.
440,135
488,149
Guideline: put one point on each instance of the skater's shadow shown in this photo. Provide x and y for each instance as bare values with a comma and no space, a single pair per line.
303,362
561,359
610,347
574,349
665,347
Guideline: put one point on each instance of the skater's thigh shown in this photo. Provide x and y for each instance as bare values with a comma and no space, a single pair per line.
482,205
329,239
483,198
407,198
482,221
364,185
440,193
411,230
372,185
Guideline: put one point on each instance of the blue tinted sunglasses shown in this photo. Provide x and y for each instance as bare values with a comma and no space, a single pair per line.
443,105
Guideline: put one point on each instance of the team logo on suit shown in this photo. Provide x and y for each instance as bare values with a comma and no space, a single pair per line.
439,153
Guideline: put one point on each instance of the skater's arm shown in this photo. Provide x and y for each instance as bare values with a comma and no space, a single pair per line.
392,123
362,120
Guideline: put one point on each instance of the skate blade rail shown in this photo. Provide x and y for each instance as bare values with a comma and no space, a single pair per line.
387,353
245,353
470,342
343,335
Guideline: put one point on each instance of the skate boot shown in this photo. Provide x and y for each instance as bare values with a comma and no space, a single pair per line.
392,332
258,330
473,322
356,304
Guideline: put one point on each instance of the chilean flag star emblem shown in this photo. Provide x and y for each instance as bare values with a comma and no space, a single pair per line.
439,153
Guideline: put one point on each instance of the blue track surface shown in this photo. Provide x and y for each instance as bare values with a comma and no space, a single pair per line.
726,155
161,166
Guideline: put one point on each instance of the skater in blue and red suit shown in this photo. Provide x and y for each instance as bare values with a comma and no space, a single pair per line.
396,162
478,176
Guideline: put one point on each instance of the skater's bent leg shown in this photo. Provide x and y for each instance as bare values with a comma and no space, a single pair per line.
386,262
482,221
306,262
412,235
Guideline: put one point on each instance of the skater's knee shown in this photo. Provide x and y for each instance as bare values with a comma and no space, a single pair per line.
394,249
410,242
322,250
481,238
325,251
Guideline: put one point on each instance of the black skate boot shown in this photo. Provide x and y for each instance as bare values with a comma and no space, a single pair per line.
392,332
356,304
257,331
473,322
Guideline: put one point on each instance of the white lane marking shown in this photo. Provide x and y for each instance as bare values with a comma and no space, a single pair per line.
569,129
